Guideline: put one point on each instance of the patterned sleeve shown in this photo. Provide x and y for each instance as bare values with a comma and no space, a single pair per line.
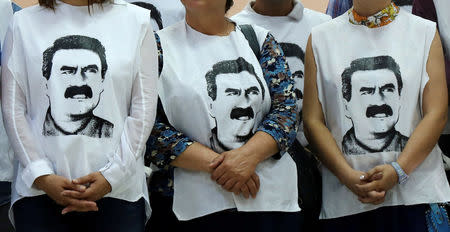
165,143
282,121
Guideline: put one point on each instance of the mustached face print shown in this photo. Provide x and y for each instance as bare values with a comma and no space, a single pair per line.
75,68
295,57
372,89
236,95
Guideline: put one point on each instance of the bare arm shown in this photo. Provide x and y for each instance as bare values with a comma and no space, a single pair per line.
196,157
320,138
434,107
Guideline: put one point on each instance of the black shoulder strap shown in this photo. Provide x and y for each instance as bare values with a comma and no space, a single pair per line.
250,35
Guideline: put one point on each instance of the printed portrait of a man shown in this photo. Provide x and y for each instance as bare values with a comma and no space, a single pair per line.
75,68
236,96
371,89
295,57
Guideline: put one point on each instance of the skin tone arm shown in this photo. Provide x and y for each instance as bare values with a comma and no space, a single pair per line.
196,157
426,134
321,139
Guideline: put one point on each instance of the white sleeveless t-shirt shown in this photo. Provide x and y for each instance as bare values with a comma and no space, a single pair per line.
370,83
199,100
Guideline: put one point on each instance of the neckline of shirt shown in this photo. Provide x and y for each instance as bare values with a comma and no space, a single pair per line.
296,12
95,6
379,19
190,29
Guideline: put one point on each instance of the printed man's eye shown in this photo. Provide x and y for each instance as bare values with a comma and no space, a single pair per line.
254,92
389,90
68,72
232,92
91,70
367,91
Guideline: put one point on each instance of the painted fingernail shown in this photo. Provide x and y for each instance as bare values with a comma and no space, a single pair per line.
362,177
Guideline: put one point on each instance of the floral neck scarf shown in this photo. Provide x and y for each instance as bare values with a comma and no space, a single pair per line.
382,18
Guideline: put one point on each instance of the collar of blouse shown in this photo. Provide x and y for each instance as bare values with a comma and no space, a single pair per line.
379,19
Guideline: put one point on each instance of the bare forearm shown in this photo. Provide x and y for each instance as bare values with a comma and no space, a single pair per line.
422,141
324,145
260,147
196,157
435,110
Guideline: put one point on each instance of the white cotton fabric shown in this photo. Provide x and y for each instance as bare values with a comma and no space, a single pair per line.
172,11
336,44
6,152
188,56
6,14
443,17
40,146
408,8
294,28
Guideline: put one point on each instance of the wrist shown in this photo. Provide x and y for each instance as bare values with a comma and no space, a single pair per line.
253,156
402,177
344,173
39,182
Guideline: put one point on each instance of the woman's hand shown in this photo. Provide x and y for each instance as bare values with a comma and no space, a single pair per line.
235,169
387,179
353,178
250,188
97,188
54,186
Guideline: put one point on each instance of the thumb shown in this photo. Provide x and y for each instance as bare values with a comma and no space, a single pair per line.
374,173
376,176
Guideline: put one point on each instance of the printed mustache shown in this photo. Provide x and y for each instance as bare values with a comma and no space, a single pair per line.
238,113
84,90
298,93
374,110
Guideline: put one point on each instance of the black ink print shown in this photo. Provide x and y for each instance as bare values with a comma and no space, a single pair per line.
75,68
294,51
371,88
155,14
236,95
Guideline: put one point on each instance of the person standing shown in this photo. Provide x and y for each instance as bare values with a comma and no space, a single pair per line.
79,102
373,114
227,117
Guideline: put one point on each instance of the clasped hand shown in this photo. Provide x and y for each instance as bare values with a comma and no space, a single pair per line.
235,171
76,195
371,187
